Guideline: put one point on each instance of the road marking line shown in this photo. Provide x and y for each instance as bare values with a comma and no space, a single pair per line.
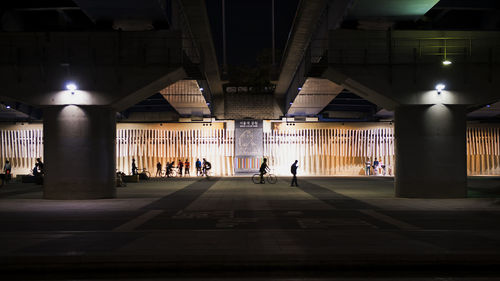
132,224
390,220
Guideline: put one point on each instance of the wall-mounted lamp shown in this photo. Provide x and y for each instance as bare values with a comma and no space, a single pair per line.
440,87
71,87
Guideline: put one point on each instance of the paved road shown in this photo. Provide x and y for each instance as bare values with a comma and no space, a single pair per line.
326,225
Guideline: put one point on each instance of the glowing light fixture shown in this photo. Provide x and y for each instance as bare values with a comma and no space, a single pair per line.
7,106
201,89
447,62
440,87
299,88
71,87
488,105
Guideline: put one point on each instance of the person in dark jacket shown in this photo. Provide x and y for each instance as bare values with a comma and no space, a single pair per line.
293,169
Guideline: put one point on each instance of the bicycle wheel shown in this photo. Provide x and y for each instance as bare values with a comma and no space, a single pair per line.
272,179
256,178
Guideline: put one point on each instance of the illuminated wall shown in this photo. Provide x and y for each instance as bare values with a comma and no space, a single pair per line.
321,148
329,151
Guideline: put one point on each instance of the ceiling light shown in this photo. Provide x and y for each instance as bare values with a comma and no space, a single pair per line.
447,62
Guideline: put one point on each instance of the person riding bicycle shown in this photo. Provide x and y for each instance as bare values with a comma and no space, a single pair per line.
263,170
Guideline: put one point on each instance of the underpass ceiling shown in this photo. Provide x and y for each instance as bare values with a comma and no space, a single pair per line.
187,98
315,94
400,9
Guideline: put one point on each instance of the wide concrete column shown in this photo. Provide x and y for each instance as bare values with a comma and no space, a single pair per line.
79,152
430,151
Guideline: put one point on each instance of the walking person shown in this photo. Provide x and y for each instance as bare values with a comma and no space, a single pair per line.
293,169
158,169
198,167
187,165
263,170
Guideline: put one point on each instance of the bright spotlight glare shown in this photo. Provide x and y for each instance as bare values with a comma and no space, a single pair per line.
440,87
7,106
201,89
446,62
71,86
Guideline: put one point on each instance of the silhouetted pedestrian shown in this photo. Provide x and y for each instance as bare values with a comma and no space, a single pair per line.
158,169
134,167
293,170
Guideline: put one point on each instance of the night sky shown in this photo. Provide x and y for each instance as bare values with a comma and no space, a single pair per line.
248,27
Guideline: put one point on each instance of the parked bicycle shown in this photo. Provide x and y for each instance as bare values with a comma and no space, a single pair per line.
270,178
144,174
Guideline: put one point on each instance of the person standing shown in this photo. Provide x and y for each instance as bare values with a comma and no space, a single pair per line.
367,167
187,165
180,166
198,167
293,169
375,167
263,169
158,169
206,167
134,167
39,165
7,169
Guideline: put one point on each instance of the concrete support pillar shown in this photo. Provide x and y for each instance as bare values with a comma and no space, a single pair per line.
79,152
431,151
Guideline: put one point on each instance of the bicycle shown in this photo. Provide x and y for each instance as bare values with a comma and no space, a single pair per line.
172,173
145,172
270,178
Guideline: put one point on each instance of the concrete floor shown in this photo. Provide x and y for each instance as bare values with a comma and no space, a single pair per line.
331,227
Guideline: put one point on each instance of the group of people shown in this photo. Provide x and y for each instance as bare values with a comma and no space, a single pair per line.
374,169
7,170
183,168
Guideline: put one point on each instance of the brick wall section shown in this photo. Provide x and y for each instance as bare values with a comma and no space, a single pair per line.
250,105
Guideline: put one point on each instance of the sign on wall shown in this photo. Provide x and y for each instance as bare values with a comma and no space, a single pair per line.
248,145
